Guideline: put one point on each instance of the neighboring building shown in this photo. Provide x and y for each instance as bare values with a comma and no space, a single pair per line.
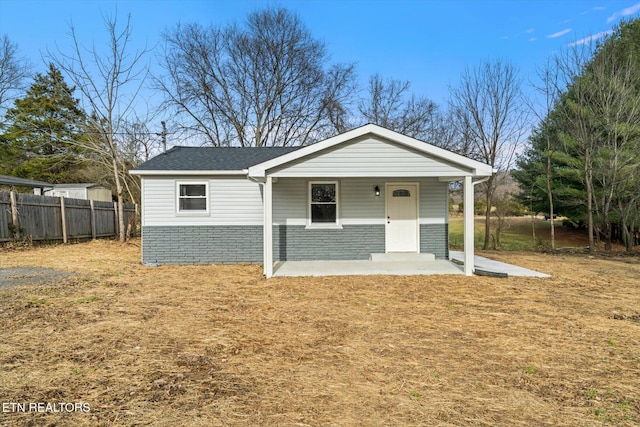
87,191
12,181
369,190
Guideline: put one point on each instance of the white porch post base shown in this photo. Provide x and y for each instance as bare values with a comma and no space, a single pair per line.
468,226
268,227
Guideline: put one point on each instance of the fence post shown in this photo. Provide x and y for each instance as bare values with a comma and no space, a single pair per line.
64,221
116,222
93,220
14,213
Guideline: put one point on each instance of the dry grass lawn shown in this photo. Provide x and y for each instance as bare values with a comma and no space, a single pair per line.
220,345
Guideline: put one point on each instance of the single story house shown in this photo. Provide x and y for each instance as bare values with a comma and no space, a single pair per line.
366,191
84,191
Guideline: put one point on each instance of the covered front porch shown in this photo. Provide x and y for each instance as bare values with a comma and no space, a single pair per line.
364,267
329,205
401,263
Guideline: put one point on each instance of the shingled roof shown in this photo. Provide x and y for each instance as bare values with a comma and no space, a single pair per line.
212,158
22,182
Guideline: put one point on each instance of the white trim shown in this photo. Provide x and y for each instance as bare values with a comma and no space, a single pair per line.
386,214
388,174
325,225
468,226
478,168
291,221
208,223
343,222
175,172
268,227
362,221
143,219
431,221
193,212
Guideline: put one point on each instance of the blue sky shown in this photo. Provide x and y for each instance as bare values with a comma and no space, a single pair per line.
428,43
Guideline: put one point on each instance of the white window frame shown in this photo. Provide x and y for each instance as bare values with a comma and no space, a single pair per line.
335,224
207,198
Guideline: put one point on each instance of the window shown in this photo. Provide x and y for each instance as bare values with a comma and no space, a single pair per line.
192,197
323,201
401,193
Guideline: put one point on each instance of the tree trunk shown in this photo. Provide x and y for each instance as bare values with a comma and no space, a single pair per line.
626,237
487,218
122,232
607,232
550,194
627,224
533,229
587,180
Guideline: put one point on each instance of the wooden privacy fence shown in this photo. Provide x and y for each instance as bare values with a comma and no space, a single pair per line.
58,218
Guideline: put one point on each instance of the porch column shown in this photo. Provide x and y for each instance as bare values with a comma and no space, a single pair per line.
468,226
268,227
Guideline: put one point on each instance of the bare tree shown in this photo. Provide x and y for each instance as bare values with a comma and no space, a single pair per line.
488,109
138,144
260,84
389,104
109,82
549,90
577,112
617,110
13,71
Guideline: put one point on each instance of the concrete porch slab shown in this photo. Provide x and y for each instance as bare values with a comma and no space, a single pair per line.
403,257
365,267
490,265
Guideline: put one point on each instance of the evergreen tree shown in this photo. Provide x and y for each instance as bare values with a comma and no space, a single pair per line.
43,131
595,129
567,184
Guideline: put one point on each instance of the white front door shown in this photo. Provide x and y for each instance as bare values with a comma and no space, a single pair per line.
401,205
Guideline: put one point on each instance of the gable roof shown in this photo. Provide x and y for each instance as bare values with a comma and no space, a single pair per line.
22,182
478,168
255,161
207,160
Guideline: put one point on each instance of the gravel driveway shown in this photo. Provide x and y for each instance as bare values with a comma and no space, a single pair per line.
30,275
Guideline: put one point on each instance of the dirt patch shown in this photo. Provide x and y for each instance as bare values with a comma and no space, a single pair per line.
220,345
30,275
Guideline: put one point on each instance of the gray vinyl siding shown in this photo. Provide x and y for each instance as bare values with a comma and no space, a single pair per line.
434,200
369,156
357,201
290,201
232,201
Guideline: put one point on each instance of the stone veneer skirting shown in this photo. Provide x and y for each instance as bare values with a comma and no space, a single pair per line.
224,244
207,244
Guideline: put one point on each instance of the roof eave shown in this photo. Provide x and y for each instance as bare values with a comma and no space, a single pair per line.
175,172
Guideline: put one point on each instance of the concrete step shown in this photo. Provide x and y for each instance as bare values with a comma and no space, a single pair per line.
402,257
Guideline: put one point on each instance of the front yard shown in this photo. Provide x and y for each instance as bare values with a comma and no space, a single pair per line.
219,345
